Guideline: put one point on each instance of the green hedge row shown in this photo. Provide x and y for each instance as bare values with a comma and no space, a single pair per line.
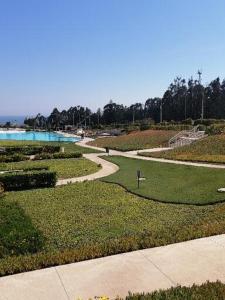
28,180
30,150
12,158
58,155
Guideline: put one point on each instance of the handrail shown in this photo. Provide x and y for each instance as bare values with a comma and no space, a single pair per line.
178,139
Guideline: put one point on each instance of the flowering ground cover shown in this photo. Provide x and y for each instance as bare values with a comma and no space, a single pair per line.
169,182
51,226
209,149
65,168
136,140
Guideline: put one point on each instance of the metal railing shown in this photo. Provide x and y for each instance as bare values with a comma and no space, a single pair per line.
186,137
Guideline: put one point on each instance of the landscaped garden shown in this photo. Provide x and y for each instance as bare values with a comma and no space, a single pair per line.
65,168
44,227
55,225
136,140
169,182
209,149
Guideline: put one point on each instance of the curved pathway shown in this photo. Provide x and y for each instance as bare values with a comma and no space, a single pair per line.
133,154
107,168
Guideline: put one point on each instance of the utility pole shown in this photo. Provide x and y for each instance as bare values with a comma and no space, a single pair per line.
133,114
161,111
200,81
185,105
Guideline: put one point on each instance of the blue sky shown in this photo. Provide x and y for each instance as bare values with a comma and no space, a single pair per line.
70,52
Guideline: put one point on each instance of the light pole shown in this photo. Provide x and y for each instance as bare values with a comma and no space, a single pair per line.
161,111
202,106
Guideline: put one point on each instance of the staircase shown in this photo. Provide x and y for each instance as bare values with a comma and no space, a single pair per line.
186,137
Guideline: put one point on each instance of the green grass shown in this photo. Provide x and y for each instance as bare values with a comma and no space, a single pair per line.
136,140
170,182
208,290
69,147
93,219
209,149
65,168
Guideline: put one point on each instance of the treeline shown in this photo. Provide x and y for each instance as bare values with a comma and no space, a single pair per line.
182,100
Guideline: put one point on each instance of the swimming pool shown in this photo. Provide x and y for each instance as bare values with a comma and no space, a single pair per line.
36,136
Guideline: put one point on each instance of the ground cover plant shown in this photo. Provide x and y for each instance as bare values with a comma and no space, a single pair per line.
136,140
169,182
68,146
74,226
65,168
209,149
208,290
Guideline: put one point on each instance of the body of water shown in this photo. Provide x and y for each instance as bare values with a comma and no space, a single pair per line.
12,119
36,136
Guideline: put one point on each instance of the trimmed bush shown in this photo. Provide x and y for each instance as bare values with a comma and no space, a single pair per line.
12,158
58,155
67,155
28,180
31,150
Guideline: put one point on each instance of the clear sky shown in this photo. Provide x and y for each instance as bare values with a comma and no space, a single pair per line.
69,52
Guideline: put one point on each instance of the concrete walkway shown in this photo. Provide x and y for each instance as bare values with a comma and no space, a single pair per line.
133,154
107,168
184,263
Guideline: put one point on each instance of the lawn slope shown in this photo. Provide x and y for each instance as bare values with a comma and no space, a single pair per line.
209,149
136,140
169,182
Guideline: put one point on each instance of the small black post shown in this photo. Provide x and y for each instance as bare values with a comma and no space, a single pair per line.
107,150
138,177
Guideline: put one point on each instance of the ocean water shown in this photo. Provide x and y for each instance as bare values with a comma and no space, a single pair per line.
13,119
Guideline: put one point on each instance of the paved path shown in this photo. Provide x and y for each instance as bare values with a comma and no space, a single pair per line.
146,270
107,169
133,154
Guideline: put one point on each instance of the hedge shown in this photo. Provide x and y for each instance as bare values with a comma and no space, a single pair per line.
59,155
13,158
28,180
30,150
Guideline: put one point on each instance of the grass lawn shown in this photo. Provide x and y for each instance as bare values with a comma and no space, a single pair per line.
68,146
169,182
65,168
208,290
210,149
92,219
136,140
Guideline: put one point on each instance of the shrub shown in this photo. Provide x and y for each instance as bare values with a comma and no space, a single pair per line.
31,150
28,180
12,158
58,155
2,189
67,155
144,127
